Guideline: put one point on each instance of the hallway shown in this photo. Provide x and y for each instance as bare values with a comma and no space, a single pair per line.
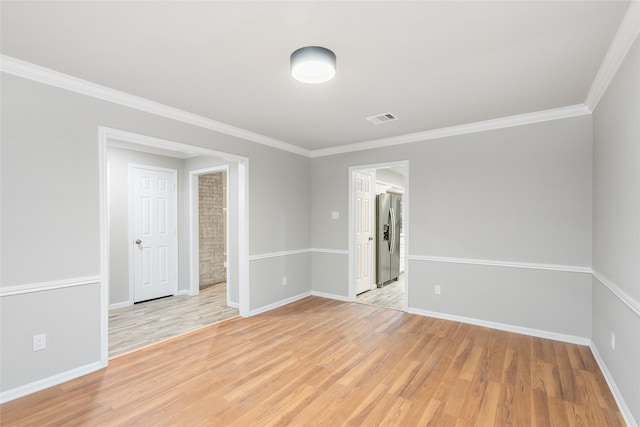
146,323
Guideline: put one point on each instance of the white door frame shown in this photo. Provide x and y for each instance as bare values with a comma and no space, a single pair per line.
194,232
114,137
372,200
174,172
405,226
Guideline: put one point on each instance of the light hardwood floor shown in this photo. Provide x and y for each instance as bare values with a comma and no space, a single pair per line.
324,362
389,296
152,321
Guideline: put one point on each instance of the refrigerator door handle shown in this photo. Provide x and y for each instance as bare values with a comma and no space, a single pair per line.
393,231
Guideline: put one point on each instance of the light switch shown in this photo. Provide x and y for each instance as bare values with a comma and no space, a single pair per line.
335,215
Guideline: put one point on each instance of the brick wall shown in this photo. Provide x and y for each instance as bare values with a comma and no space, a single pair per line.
212,199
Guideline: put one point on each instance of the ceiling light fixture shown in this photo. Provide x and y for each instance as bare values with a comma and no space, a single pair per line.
313,64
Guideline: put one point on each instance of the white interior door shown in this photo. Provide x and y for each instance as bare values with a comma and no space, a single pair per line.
364,231
155,242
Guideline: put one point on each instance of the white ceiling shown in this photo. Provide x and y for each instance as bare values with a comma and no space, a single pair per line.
433,64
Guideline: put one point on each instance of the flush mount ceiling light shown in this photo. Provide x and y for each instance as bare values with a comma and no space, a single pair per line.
313,64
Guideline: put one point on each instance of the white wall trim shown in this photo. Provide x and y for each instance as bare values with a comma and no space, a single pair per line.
278,254
279,304
622,42
296,252
233,304
330,251
48,286
494,263
622,405
51,381
503,327
618,292
117,305
151,150
504,122
331,296
140,142
50,77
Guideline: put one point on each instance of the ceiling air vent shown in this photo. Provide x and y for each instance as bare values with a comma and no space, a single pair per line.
382,118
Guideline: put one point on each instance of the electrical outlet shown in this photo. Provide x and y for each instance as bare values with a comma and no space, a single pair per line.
437,290
613,340
335,215
39,342
284,281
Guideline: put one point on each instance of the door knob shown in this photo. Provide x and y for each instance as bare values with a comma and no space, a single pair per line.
138,241
370,238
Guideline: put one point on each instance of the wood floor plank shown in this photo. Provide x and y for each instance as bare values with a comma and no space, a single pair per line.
324,362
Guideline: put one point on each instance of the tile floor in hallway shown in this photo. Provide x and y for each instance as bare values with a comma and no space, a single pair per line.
145,323
389,296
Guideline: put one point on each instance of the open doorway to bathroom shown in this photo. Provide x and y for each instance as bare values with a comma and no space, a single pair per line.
378,238
212,220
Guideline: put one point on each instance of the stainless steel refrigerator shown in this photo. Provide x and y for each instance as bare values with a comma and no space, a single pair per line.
388,220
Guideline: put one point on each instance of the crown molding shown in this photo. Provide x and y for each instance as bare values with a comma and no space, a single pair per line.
623,40
50,77
503,122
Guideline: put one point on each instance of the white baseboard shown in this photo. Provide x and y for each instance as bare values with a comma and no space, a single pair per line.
331,296
279,304
35,386
233,305
184,292
120,305
503,327
622,405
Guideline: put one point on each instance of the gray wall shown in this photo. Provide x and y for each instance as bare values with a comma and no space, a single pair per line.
296,268
520,194
50,214
69,317
118,187
329,274
616,226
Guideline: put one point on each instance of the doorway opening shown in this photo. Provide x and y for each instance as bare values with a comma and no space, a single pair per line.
378,234
212,220
119,275
211,248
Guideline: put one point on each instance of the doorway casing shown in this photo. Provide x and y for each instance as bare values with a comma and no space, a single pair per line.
108,136
405,225
194,240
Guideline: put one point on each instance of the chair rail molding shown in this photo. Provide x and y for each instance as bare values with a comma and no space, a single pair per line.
618,292
48,286
496,263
